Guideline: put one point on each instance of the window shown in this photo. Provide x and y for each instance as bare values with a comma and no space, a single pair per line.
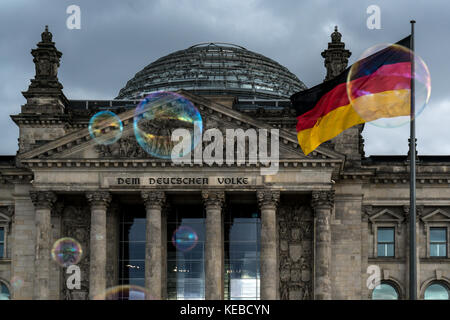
186,230
436,291
242,252
132,252
2,242
438,242
4,292
384,291
386,242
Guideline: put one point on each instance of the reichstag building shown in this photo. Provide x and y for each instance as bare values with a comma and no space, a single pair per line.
310,231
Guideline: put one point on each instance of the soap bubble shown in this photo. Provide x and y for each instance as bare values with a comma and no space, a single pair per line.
184,238
105,127
387,91
16,282
67,251
124,292
158,115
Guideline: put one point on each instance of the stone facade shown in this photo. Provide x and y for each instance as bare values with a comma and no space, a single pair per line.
319,214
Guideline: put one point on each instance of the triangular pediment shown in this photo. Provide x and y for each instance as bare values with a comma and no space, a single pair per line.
386,215
79,145
437,215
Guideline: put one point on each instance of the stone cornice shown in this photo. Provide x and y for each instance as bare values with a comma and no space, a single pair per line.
143,163
15,176
43,199
153,199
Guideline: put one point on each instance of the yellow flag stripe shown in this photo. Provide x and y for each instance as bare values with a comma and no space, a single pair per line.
385,104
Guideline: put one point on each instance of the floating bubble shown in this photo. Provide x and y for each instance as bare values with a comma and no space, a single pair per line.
16,282
124,292
184,238
67,251
158,115
386,91
105,127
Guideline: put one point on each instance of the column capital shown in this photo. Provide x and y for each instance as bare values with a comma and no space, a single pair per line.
153,199
213,198
268,198
98,198
322,199
43,199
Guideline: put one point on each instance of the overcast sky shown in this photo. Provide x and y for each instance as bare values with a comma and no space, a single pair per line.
118,38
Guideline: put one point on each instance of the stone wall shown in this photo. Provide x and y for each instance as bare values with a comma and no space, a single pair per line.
24,241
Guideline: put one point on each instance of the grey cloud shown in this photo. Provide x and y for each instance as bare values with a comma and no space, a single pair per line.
118,38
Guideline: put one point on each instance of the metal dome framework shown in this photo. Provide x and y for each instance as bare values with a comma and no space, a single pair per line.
215,69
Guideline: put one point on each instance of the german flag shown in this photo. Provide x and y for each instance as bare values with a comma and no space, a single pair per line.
380,87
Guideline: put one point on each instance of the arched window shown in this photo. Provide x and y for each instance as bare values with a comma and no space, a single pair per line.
385,291
436,291
4,292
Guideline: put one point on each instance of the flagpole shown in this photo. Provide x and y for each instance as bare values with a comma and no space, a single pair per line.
412,191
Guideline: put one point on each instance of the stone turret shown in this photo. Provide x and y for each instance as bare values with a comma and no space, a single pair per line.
45,95
350,142
44,115
336,56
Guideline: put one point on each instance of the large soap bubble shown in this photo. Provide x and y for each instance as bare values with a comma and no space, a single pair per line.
124,292
67,251
158,115
105,127
387,91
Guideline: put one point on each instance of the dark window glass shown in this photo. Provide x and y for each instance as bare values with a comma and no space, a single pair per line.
242,252
132,251
386,242
436,291
4,292
438,242
2,242
384,291
185,253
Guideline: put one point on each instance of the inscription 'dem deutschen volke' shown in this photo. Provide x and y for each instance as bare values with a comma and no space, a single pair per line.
182,181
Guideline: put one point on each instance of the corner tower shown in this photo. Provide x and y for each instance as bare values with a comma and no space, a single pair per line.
44,115
350,142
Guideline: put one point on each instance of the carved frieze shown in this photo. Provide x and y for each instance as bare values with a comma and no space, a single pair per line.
295,227
76,225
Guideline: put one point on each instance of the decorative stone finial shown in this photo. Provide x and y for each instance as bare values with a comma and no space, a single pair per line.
46,36
336,36
336,56
44,95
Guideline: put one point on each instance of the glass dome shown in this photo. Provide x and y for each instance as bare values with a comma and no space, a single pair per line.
215,69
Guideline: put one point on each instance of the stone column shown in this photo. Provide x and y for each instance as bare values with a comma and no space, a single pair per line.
43,202
268,201
99,202
322,202
214,258
154,255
